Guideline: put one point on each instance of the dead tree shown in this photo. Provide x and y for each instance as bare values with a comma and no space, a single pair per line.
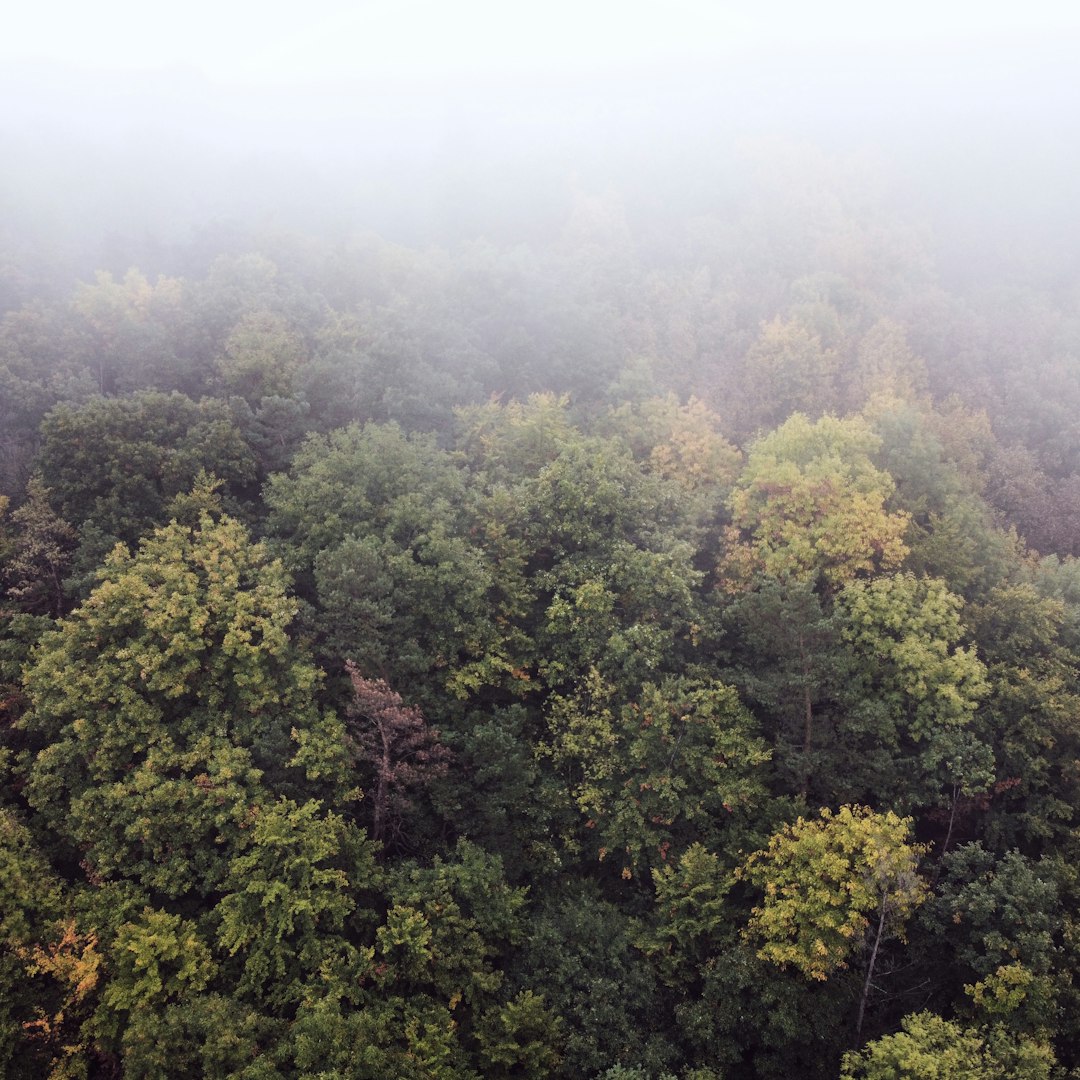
403,748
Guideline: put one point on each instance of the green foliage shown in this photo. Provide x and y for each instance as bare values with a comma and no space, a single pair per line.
580,948
170,704
113,464
930,1048
518,439
912,626
41,550
743,1008
935,457
1030,718
885,366
287,898
210,1035
414,1040
522,1038
627,614
376,522
914,691
30,904
692,915
667,768
639,640
682,443
990,913
260,356
1015,999
790,663
623,1072
448,926
159,967
159,957
787,368
131,324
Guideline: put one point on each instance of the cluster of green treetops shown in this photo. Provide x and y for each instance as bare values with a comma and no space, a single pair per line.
613,660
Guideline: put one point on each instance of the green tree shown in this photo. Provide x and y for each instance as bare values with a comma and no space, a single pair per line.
132,324
692,914
31,903
682,443
114,464
936,459
260,357
582,947
929,1047
449,926
884,365
912,694
522,1038
787,368
1028,643
790,663
42,550
287,898
987,913
170,705
675,765
375,524
156,965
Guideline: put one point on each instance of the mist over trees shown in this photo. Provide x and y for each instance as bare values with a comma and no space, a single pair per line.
558,562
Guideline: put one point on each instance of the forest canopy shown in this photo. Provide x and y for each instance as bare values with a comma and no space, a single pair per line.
606,618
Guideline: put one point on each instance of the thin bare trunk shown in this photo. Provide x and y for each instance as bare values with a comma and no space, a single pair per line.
870,967
382,793
952,818
808,720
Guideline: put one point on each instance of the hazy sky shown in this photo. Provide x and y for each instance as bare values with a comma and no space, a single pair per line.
203,104
273,69
270,41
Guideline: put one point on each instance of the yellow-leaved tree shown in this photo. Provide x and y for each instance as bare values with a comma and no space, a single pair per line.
833,888
812,506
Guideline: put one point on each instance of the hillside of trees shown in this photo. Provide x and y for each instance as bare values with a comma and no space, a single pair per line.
645,649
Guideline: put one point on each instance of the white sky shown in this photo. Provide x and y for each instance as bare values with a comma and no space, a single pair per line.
248,43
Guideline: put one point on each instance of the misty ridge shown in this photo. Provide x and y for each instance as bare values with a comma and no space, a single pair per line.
924,183
976,136
540,543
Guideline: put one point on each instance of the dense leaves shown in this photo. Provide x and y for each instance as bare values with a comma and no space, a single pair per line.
169,705
648,653
827,882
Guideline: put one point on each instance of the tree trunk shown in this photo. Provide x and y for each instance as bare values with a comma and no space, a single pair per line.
808,720
382,791
952,818
870,967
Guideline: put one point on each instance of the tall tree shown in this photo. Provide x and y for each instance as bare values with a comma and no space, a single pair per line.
42,549
114,464
170,705
790,662
911,697
834,888
679,763
810,505
396,740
